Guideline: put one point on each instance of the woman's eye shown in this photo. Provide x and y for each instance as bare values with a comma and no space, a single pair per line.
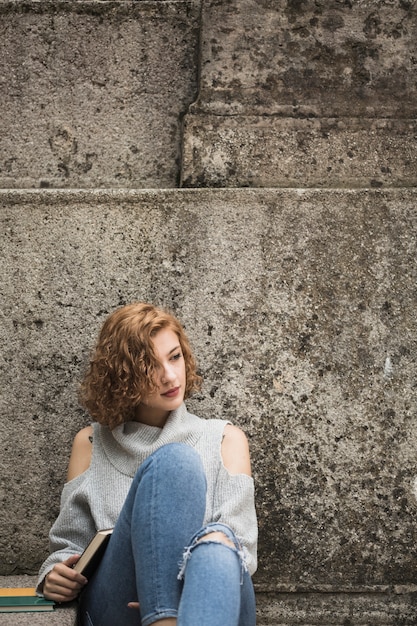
176,356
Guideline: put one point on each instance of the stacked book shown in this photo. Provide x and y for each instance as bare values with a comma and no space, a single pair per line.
23,600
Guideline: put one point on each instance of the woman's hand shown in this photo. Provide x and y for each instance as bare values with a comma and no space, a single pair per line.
63,584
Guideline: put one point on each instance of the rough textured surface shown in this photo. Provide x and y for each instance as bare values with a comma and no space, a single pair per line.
98,89
300,303
301,309
321,58
304,93
386,608
270,151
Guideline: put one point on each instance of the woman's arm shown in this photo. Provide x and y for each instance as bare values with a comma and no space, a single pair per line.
234,496
81,453
235,451
63,583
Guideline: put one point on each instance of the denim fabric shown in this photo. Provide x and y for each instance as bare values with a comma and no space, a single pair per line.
162,515
212,573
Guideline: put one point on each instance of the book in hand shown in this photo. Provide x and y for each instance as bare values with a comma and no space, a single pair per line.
23,600
92,555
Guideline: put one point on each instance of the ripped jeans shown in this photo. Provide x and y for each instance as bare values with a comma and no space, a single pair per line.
160,556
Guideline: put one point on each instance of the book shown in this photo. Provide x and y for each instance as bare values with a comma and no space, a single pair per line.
92,555
23,600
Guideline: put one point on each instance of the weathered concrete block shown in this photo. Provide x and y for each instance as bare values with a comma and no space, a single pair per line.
270,151
300,305
320,58
92,93
310,93
380,608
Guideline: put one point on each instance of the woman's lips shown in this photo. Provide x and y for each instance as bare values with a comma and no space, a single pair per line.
172,393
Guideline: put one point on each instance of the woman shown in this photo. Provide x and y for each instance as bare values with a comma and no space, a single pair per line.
176,488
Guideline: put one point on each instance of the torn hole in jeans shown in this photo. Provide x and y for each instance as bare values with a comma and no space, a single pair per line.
220,537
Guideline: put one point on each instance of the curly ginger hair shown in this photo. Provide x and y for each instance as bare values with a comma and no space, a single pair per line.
123,366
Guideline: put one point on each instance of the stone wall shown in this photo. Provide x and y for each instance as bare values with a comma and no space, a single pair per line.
92,93
304,93
301,309
300,299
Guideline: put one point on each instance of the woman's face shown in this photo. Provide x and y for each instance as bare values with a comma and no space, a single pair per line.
171,379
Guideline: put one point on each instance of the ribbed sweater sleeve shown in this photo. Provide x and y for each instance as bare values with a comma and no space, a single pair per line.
73,528
234,505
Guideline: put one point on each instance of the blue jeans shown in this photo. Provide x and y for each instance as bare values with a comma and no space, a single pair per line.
157,534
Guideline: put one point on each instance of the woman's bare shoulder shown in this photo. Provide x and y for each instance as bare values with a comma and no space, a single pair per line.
235,451
81,452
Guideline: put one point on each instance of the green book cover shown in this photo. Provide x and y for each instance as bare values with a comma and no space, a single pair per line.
13,601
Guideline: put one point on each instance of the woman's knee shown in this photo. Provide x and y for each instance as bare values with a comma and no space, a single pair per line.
173,471
177,455
181,453
173,459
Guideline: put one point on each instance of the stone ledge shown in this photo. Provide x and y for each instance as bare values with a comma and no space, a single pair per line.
64,615
274,151
336,609
365,606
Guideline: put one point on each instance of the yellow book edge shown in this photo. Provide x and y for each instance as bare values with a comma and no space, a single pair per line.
17,591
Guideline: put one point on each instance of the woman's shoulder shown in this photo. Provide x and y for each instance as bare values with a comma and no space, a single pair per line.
224,428
84,434
81,453
234,445
235,450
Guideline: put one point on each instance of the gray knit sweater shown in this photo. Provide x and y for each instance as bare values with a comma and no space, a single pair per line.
94,499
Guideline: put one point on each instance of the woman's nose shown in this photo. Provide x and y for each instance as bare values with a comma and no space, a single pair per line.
167,374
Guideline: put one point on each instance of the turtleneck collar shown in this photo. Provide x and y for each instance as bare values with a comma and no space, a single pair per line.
129,444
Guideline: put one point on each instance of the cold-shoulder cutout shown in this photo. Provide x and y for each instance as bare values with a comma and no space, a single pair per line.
81,453
235,451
